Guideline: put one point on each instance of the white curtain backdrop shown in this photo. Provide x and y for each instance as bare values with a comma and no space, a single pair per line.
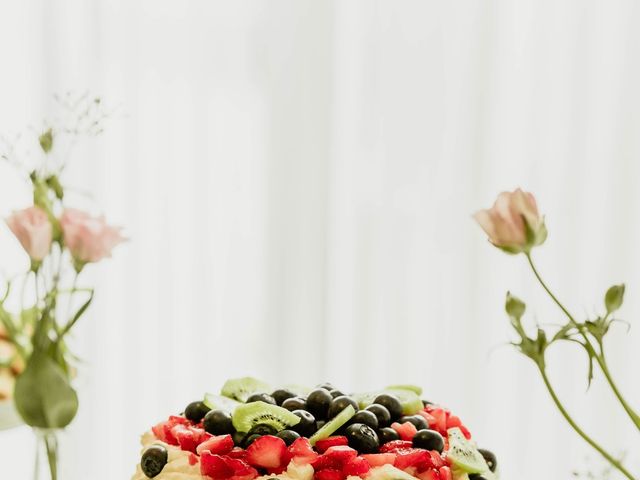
297,179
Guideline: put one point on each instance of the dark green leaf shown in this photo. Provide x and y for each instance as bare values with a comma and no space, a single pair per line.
614,297
43,395
54,184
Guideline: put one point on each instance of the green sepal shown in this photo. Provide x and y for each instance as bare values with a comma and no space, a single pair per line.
613,298
46,141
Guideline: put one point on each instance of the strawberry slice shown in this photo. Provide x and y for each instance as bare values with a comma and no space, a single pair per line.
436,460
395,445
185,437
267,452
445,473
465,431
341,454
219,445
453,421
379,459
237,452
301,452
356,466
406,430
240,468
440,420
428,475
329,474
325,462
428,417
214,466
413,458
323,445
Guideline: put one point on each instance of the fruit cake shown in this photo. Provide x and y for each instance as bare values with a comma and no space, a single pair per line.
295,433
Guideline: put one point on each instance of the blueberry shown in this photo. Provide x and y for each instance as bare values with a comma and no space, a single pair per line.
238,438
490,458
387,434
429,440
318,402
261,397
338,404
196,411
327,386
419,422
336,393
383,415
281,395
366,417
262,429
362,438
391,403
153,460
307,424
289,436
218,422
249,439
295,403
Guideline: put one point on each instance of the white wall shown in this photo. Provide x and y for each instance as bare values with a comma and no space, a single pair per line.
297,179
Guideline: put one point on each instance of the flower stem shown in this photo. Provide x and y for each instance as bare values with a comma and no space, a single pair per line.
599,356
615,463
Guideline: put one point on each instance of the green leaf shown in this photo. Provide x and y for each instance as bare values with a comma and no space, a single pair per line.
43,395
514,306
46,141
614,297
54,184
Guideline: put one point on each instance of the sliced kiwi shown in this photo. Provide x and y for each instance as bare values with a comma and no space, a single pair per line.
412,388
248,415
464,455
242,388
218,402
410,401
389,472
333,425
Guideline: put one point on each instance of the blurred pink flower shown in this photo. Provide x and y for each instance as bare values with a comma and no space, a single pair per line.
513,223
34,231
89,239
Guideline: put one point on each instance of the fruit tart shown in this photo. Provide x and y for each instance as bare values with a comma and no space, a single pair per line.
251,430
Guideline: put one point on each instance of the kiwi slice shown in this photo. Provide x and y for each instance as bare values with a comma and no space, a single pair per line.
389,472
333,425
218,402
409,399
464,455
412,388
248,415
242,388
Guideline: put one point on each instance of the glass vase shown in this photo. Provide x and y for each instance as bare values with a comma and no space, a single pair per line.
46,461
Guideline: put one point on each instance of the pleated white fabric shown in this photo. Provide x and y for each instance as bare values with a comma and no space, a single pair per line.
297,179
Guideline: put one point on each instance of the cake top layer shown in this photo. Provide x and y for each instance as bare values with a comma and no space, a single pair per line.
251,430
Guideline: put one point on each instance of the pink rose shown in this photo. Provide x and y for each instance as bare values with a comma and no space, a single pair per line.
33,229
513,223
89,239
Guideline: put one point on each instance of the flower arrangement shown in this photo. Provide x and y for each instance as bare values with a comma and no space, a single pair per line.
60,242
515,226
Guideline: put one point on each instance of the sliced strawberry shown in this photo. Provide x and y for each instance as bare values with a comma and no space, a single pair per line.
323,445
379,459
406,430
356,466
301,452
453,421
329,474
395,445
428,417
436,459
428,475
440,420
186,438
465,431
341,454
219,445
158,431
413,457
267,452
193,459
237,452
324,462
214,466
445,473
240,468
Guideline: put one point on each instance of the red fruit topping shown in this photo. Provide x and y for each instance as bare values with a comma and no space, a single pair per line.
453,421
395,445
428,475
329,474
214,466
440,420
436,460
379,459
445,473
323,445
267,452
193,459
301,451
413,457
220,445
324,462
465,431
407,430
356,466
237,452
186,438
428,417
341,453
